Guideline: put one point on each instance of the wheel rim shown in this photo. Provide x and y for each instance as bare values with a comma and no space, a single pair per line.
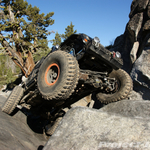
52,74
116,88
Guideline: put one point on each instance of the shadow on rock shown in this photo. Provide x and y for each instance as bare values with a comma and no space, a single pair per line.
36,123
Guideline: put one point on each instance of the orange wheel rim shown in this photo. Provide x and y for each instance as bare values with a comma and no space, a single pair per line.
52,74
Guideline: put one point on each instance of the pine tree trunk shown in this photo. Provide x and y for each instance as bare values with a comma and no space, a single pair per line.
27,65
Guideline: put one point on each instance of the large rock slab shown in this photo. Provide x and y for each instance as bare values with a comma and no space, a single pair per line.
129,108
15,133
125,127
138,6
137,32
140,74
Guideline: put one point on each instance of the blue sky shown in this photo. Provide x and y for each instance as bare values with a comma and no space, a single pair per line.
106,19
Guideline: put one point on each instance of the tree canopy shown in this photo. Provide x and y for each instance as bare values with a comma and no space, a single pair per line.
22,31
57,40
68,31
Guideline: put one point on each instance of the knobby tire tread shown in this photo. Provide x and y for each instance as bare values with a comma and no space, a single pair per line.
12,100
54,126
119,95
68,85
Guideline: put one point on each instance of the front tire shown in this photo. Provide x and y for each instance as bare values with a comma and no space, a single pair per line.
13,100
125,86
58,76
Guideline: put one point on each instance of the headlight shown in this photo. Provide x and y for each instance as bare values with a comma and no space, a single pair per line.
55,48
97,41
118,55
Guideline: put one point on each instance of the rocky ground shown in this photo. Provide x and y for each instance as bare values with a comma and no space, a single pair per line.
122,125
15,132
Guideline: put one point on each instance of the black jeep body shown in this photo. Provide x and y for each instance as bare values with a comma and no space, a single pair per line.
76,68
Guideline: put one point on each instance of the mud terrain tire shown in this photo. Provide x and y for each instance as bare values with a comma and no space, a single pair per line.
124,89
12,100
58,76
52,129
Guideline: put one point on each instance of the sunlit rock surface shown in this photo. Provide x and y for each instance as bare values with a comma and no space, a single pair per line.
125,122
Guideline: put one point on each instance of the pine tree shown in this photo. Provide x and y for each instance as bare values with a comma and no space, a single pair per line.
22,38
68,31
57,40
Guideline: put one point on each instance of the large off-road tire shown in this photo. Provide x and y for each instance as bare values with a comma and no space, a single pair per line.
12,100
58,76
54,126
123,88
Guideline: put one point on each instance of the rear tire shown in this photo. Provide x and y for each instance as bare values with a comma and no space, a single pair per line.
58,76
123,91
52,129
13,100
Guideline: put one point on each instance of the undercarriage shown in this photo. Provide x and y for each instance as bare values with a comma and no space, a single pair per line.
79,67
